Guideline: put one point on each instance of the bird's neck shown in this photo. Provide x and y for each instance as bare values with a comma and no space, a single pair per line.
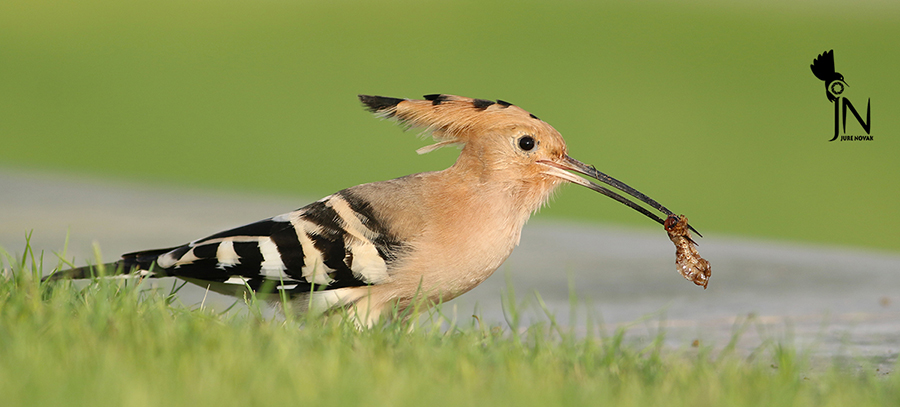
503,187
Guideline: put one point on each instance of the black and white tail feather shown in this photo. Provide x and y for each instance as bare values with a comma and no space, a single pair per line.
333,243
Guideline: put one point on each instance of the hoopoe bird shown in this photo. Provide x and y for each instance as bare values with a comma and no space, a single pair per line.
381,246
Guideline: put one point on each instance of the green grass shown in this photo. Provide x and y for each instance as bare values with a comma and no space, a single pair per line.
711,109
122,344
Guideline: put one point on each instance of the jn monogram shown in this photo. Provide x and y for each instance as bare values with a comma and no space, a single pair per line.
823,68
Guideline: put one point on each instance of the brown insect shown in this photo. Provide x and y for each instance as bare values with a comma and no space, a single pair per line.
687,259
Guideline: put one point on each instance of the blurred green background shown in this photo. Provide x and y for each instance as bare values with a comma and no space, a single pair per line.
710,108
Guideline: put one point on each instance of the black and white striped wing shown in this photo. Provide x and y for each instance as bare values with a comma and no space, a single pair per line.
333,243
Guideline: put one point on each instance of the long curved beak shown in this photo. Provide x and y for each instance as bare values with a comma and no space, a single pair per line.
562,167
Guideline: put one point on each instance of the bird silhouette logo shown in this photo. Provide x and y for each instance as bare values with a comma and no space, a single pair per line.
835,85
823,68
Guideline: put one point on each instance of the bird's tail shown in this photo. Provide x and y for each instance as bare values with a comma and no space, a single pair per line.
143,262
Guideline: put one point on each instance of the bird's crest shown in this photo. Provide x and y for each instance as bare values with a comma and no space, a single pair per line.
450,119
823,66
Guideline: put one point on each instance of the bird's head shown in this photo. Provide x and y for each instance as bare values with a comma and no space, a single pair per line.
503,144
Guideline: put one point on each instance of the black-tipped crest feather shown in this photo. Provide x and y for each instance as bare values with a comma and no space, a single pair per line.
482,104
378,104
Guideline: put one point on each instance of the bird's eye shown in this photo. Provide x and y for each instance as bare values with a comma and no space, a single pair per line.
526,143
